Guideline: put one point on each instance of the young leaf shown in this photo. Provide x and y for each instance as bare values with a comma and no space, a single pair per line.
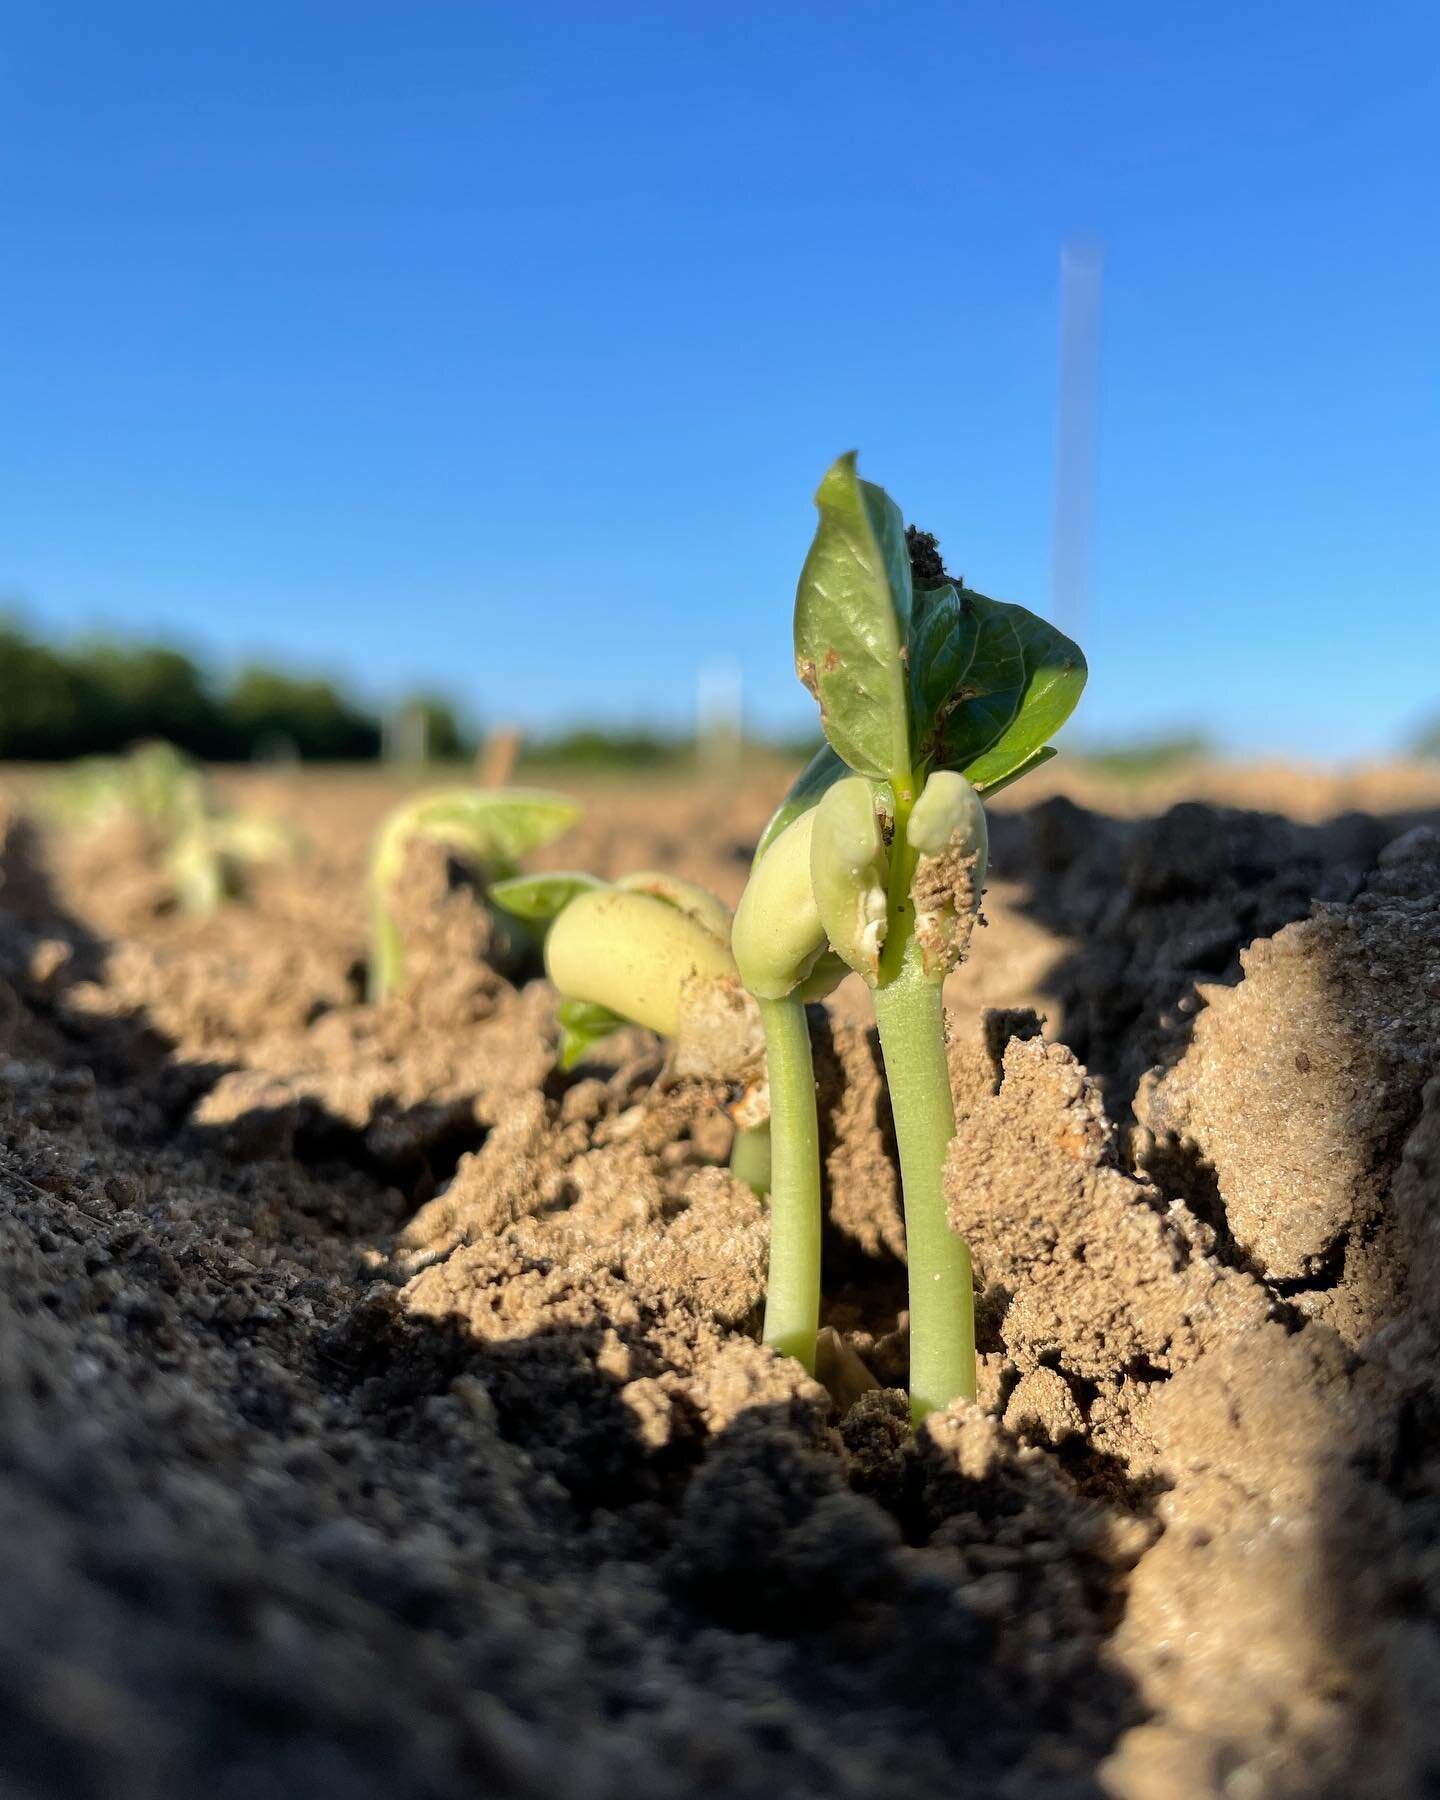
944,636
826,974
852,621
969,716
541,897
496,826
1033,761
518,820
1054,680
582,1024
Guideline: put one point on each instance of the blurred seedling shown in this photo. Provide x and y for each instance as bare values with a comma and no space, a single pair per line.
654,950
154,785
206,850
210,859
930,696
489,830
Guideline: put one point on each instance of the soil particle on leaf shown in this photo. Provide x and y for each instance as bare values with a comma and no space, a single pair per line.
927,567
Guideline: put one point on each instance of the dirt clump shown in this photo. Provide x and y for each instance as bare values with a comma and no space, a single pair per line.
1151,909
1300,1083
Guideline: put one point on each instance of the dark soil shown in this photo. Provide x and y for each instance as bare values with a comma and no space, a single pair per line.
381,1411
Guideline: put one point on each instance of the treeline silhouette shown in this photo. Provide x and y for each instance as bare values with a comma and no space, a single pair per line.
95,697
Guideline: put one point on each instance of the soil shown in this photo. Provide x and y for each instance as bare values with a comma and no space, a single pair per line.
381,1411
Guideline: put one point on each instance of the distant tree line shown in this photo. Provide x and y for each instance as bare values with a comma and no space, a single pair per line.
99,696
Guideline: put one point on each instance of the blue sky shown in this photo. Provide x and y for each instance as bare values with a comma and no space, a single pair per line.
501,346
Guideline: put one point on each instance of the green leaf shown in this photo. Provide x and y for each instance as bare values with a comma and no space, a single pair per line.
972,713
1055,674
1033,761
494,826
822,771
988,715
154,783
198,875
944,637
827,974
541,897
852,621
582,1023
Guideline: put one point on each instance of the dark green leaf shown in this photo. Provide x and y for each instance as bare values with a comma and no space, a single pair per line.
852,621
1054,680
974,712
944,636
1032,761
582,1023
988,717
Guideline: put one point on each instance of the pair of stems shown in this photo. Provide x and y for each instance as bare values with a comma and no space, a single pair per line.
909,1010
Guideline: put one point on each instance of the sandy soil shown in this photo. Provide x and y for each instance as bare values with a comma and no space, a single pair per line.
381,1411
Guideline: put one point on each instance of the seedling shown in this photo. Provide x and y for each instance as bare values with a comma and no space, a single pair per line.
206,849
654,950
489,828
210,858
930,695
155,785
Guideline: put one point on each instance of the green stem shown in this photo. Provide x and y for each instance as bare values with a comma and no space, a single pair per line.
792,1303
750,1158
387,953
910,1012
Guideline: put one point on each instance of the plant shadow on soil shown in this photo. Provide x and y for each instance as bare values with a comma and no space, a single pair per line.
317,1541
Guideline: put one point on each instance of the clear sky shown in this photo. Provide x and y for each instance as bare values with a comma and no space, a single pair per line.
501,346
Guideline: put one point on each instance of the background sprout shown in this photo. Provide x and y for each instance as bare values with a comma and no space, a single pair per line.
206,849
929,694
489,828
154,785
210,859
